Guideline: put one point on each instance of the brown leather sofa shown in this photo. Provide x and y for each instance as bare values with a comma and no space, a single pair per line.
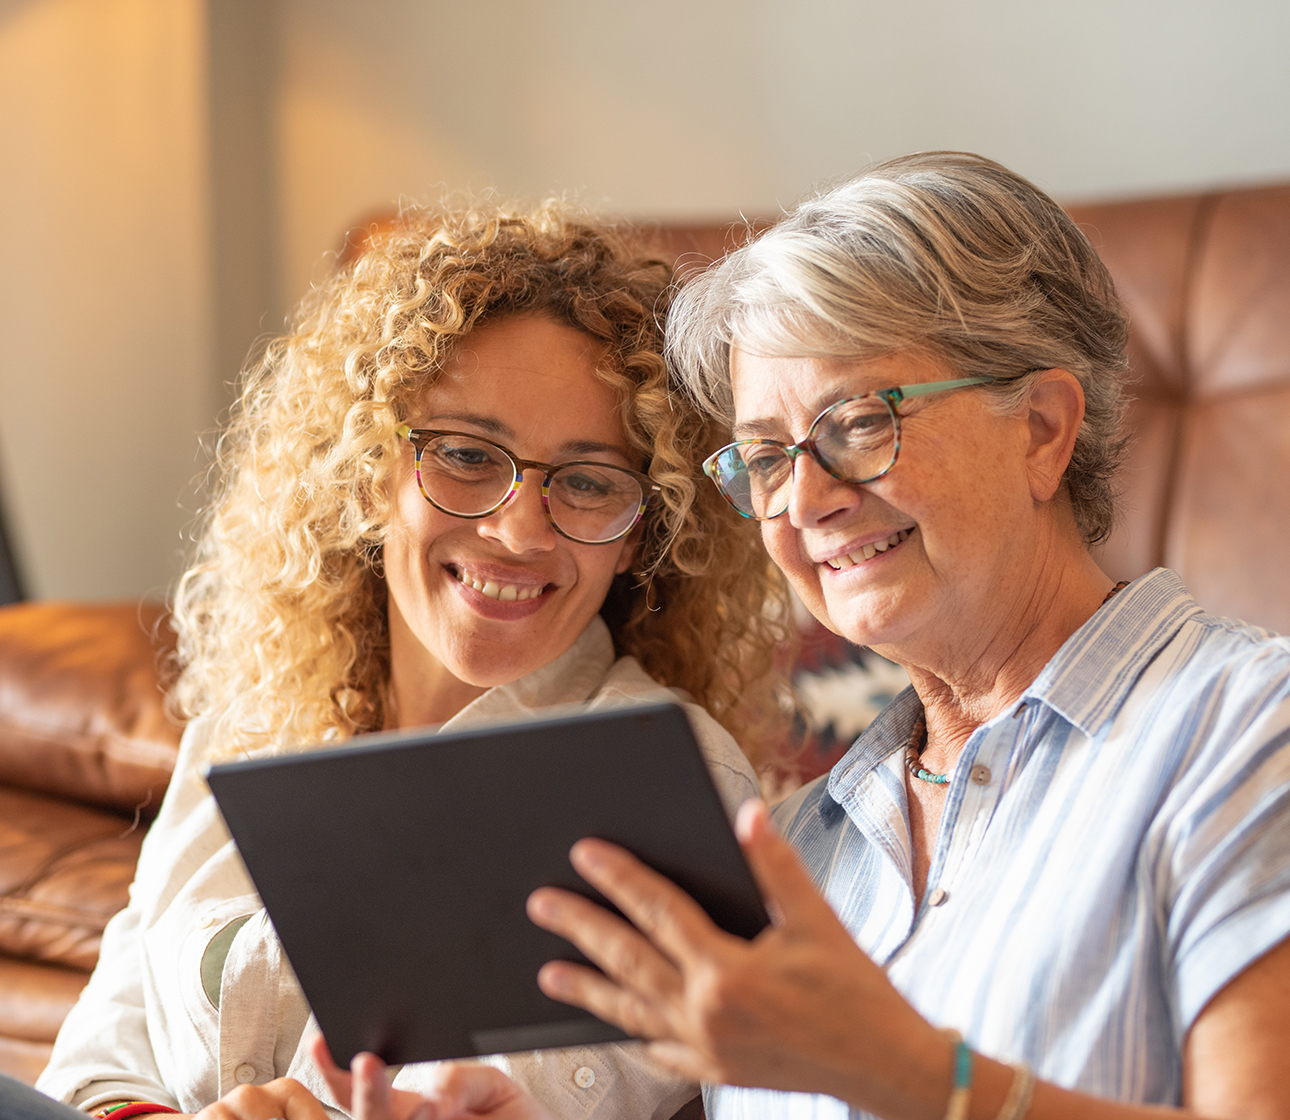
86,750
86,746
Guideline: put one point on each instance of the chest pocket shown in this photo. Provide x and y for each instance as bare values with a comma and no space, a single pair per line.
216,953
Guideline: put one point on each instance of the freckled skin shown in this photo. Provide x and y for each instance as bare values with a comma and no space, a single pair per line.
529,383
994,575
958,549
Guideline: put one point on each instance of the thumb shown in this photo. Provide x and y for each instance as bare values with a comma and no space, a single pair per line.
790,894
372,1099
339,1081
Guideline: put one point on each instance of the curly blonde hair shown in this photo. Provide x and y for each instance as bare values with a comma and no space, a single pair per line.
283,633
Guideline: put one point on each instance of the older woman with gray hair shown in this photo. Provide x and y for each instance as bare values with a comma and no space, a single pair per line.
1052,879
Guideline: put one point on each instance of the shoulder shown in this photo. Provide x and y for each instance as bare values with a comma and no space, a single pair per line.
628,683
188,828
1209,640
1220,676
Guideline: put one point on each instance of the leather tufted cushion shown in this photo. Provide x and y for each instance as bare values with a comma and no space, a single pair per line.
34,1000
65,869
81,710
1206,279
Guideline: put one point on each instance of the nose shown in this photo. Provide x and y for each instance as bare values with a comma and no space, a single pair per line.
521,525
815,496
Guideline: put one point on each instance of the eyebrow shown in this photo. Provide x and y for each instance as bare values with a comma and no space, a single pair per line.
490,424
772,429
493,426
757,429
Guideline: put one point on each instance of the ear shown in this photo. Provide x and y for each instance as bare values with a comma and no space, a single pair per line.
1055,412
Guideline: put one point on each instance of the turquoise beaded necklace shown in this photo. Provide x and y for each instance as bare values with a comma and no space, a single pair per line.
918,736
913,752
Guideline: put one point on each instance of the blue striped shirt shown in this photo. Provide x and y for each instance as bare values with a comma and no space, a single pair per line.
1115,847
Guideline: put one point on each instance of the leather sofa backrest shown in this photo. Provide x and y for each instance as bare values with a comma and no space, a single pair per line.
82,713
1206,279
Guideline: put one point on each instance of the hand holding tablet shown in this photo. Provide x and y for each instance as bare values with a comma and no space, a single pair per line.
396,869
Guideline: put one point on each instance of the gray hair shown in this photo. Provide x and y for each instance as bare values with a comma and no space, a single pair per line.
946,253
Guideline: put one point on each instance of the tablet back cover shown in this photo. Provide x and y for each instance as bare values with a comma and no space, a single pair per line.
396,869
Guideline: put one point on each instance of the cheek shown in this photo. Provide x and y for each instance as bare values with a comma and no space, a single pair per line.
784,548
599,564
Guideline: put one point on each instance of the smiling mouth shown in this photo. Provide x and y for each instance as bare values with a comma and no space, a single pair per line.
504,592
868,551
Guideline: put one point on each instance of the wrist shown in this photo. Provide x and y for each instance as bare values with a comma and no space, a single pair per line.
907,1075
131,1110
961,1086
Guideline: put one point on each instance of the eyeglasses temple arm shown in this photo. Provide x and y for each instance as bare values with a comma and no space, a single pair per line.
901,392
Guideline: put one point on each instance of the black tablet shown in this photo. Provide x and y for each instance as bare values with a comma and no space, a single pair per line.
19,1101
395,869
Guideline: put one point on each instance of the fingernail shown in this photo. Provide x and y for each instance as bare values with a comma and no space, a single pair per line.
585,856
551,980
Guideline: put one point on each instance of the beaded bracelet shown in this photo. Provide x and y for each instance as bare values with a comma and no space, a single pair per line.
120,1110
961,1095
1017,1102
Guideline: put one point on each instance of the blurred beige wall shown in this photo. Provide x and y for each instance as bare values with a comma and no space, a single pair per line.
694,109
105,373
174,172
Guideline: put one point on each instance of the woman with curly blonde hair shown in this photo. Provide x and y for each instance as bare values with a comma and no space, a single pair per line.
460,488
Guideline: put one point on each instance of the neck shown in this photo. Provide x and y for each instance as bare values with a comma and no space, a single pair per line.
999,652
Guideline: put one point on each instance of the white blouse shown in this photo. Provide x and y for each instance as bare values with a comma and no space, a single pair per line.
147,1028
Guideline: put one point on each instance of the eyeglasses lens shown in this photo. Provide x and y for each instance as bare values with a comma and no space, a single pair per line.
464,476
756,477
854,440
588,502
593,503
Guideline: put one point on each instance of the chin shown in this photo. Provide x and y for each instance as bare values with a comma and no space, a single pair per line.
852,622
490,673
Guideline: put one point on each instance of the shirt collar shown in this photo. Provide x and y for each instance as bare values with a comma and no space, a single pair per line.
1085,682
889,732
572,678
1090,677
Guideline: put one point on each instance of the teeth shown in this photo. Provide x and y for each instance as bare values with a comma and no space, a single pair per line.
868,551
504,592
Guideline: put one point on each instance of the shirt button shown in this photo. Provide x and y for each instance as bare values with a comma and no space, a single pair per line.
980,775
244,1074
584,1077
937,897
206,921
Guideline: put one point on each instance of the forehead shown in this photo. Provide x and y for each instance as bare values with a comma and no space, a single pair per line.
778,396
526,378
527,346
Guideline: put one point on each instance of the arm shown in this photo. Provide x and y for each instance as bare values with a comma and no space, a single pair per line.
104,1050
802,1008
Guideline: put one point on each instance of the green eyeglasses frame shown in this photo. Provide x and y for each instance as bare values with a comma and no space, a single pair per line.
890,397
